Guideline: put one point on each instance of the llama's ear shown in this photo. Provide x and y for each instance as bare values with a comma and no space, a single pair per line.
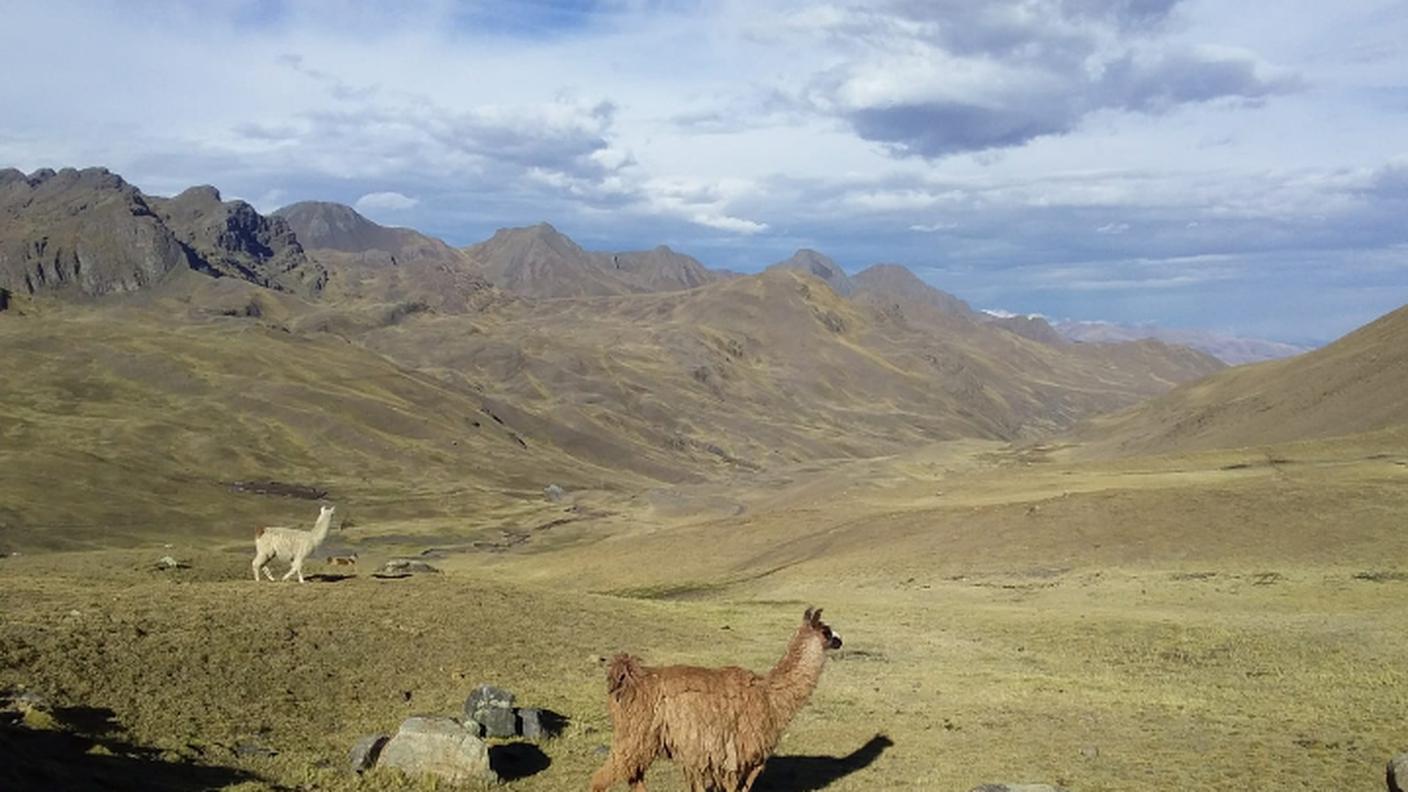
816,616
807,617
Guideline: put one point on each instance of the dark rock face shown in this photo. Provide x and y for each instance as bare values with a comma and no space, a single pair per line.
89,233
81,232
231,239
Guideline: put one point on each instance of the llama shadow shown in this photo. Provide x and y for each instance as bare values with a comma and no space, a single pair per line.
809,773
327,577
513,761
35,759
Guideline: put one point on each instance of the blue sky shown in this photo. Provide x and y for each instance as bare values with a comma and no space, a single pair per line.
1238,167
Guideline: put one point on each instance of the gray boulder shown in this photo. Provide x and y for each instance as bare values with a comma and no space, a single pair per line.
1017,788
1398,773
366,751
440,747
553,492
492,708
530,724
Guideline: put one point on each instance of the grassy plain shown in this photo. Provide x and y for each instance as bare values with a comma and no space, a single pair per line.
1225,620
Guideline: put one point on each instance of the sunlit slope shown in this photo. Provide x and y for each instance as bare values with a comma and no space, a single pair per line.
116,422
1357,384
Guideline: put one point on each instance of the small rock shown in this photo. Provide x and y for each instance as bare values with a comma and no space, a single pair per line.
530,724
601,751
404,567
1090,752
1017,788
441,747
553,492
365,751
253,746
167,562
492,707
1398,773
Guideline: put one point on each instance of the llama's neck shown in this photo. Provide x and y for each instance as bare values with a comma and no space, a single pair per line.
792,680
320,528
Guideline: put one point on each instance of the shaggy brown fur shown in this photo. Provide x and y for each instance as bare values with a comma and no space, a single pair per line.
719,724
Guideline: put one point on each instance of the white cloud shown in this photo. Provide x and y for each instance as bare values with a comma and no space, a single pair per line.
389,201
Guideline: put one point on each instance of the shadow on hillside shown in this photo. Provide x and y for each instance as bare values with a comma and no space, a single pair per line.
809,773
40,759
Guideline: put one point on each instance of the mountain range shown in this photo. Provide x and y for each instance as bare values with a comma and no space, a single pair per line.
314,344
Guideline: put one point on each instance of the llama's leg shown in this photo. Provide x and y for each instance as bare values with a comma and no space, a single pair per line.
298,566
751,778
292,568
604,778
267,573
257,564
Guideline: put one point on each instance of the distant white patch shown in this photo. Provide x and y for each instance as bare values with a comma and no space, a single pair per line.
1001,314
1112,228
929,228
390,201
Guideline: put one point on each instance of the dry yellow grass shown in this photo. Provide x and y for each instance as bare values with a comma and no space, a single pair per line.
1206,622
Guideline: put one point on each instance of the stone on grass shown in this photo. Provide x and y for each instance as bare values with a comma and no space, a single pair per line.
365,752
1398,773
492,708
440,747
404,567
1017,788
553,492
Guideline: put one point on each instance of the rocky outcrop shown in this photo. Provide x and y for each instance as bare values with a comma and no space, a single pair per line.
230,238
88,233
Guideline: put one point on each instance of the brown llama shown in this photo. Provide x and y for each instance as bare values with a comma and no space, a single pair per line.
719,724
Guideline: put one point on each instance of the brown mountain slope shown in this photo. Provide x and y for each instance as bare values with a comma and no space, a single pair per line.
400,269
894,282
1356,384
322,225
540,261
818,265
659,269
764,369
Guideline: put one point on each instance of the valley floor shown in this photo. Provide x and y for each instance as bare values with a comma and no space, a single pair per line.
1225,621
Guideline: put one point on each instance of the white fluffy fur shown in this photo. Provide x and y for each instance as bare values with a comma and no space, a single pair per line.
290,544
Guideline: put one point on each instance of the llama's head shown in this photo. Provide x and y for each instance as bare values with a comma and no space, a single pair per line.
811,621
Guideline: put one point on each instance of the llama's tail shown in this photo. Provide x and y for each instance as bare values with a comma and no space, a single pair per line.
258,532
624,671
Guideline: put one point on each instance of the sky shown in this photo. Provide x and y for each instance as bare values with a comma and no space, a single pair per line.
1240,167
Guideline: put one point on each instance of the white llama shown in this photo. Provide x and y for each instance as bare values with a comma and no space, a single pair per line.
289,543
